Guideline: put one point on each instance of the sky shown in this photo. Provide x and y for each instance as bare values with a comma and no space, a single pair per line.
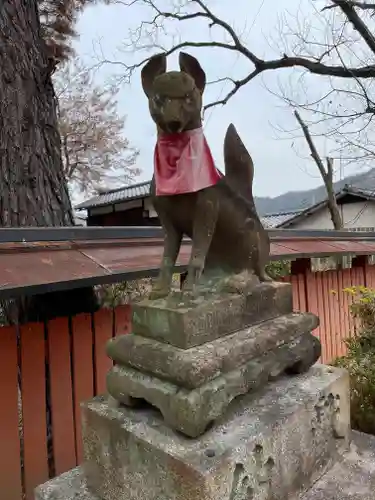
254,110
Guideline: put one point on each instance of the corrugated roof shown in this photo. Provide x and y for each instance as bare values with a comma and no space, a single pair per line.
132,192
270,221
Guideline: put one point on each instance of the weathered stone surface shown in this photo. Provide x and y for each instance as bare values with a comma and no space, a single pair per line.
191,368
351,478
69,486
269,445
192,411
192,322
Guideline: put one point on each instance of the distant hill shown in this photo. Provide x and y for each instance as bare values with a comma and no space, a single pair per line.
298,200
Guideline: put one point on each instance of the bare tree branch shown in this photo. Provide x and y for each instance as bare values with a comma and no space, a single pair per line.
351,3
338,110
325,172
312,64
341,107
357,22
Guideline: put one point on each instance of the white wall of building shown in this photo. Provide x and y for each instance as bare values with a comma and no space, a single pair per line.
355,215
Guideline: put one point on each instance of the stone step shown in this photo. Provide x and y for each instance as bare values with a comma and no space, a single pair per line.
352,477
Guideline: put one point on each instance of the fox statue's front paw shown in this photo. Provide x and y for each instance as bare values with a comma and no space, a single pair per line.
159,291
189,288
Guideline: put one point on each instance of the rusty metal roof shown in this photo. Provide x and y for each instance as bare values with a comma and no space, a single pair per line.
37,267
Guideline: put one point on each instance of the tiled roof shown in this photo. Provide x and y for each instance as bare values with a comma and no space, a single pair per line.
117,195
143,188
366,193
271,221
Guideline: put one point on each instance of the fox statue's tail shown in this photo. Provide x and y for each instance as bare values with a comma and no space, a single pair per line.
239,167
239,175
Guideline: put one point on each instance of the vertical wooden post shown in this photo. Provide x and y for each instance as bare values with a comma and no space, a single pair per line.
10,456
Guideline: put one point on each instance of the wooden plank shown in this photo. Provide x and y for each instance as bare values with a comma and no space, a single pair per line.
295,290
330,314
302,293
122,319
370,276
347,300
312,300
336,332
354,281
343,312
34,411
61,394
357,275
83,373
10,462
103,331
322,316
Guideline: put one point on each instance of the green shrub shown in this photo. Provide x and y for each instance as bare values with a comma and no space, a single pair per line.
116,294
360,360
278,269
113,295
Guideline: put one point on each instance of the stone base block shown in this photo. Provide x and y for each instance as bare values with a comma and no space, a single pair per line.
186,323
270,445
193,411
69,486
351,478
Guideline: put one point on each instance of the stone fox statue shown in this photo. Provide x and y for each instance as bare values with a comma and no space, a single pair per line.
190,196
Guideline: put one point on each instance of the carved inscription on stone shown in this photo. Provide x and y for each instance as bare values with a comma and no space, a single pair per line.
217,319
246,309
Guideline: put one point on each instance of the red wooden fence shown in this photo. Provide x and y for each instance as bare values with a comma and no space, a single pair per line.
77,365
69,354
322,293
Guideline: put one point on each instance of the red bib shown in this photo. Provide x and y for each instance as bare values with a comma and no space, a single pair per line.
183,163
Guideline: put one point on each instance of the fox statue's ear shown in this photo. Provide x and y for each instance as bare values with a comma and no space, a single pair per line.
156,66
191,66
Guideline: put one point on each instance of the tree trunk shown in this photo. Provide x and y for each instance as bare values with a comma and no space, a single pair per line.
33,188
331,196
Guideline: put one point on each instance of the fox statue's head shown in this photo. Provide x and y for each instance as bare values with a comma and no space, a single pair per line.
175,97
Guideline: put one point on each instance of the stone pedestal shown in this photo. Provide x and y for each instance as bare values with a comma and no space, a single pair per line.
269,445
213,398
191,358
